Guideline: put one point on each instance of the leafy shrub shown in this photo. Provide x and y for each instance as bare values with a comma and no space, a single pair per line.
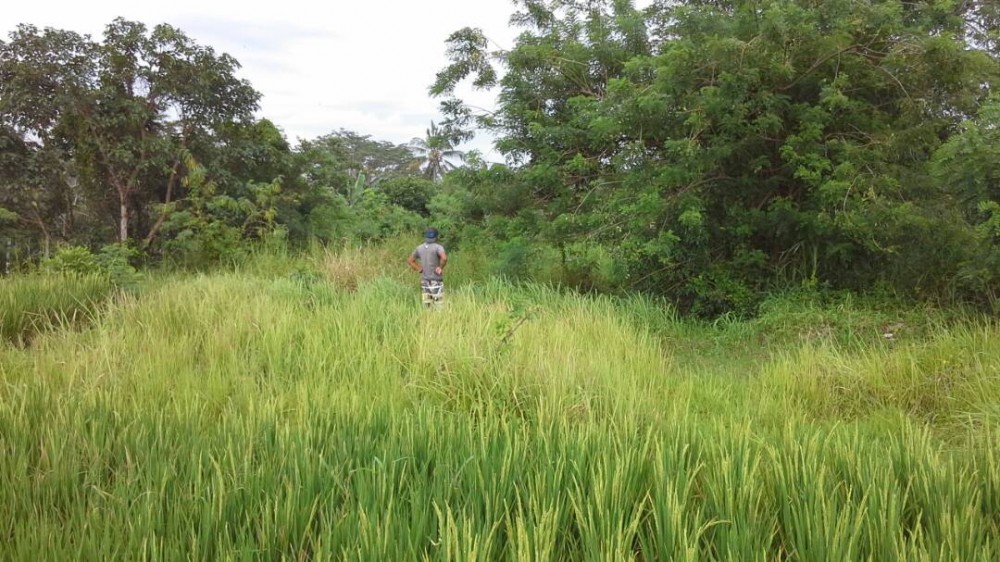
583,266
378,218
410,193
515,259
72,259
115,261
112,263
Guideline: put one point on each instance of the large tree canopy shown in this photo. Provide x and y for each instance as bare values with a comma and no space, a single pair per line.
720,148
122,113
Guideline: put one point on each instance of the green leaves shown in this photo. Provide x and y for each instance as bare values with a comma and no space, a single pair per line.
467,49
100,124
435,154
967,167
802,129
209,226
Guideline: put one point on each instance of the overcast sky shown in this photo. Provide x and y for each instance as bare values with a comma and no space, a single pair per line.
361,65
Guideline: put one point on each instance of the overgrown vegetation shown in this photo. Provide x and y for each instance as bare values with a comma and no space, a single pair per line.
30,304
732,297
310,408
713,153
716,152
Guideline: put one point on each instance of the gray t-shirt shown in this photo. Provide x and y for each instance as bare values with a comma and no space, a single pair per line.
429,255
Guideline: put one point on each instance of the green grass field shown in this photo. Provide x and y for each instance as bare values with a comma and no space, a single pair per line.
317,412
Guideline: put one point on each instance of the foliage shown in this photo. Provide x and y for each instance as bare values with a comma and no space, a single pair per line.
409,192
116,262
337,159
208,227
722,150
710,152
435,152
102,129
982,19
967,167
354,187
113,263
377,218
36,190
72,259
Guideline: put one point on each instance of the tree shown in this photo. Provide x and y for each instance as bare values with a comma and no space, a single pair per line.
721,149
435,153
340,157
41,74
982,23
348,184
412,193
968,167
209,226
158,90
124,111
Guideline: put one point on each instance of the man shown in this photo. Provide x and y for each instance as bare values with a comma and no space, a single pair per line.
429,259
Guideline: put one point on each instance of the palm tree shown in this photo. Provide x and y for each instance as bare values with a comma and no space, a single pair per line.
434,153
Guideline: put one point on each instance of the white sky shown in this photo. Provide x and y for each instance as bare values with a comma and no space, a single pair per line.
361,65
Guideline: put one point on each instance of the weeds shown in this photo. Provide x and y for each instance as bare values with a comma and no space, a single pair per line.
307,416
35,303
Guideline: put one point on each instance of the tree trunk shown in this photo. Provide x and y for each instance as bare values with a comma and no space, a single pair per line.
163,215
122,217
46,236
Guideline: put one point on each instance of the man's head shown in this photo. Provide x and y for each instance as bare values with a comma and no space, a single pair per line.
431,234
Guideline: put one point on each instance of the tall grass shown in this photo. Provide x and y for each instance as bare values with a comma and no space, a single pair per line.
948,380
233,416
33,303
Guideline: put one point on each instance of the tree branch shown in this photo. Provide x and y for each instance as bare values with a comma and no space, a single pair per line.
163,216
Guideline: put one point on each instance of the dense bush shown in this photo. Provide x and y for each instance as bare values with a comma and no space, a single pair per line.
113,263
720,151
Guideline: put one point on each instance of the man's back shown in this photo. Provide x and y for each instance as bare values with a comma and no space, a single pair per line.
429,254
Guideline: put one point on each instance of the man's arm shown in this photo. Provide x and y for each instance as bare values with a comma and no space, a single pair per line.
444,260
413,263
